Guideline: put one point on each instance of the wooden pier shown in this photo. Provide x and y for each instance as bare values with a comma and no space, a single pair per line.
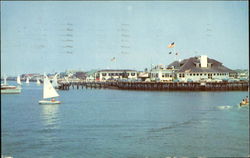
161,86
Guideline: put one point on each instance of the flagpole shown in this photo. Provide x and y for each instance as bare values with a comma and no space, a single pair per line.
175,56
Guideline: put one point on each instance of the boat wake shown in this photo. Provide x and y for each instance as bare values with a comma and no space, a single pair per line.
224,107
174,125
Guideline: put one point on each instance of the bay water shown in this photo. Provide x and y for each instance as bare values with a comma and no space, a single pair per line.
104,123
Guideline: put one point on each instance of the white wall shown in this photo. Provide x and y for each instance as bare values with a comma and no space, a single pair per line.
203,76
116,76
157,74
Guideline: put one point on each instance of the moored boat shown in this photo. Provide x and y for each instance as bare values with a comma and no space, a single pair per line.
6,89
27,80
9,89
37,81
54,82
18,80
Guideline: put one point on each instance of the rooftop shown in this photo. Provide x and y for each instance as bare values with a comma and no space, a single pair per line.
190,65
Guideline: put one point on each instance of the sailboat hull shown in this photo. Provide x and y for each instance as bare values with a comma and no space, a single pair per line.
6,89
49,102
10,91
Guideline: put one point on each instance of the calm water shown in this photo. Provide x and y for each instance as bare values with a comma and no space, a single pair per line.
116,124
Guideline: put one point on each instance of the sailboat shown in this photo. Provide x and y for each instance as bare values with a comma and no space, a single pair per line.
27,80
66,79
49,92
5,80
37,81
8,89
18,80
54,82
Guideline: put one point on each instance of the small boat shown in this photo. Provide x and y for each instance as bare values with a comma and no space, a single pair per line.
18,80
243,103
8,89
54,82
27,80
49,92
38,81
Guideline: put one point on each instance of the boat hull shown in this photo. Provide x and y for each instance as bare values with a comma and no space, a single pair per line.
11,91
244,104
49,102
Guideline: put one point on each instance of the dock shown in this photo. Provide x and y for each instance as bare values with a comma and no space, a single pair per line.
160,86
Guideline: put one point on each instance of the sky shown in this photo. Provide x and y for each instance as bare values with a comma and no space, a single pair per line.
54,36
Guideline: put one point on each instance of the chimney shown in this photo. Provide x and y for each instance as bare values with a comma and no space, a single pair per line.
203,61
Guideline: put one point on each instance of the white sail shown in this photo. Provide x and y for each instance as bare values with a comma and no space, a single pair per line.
5,80
37,81
48,90
18,80
54,82
27,80
66,79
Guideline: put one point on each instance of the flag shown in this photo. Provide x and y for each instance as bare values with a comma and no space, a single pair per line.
113,59
170,53
171,45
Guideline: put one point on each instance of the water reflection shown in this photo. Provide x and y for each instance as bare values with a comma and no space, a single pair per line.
50,117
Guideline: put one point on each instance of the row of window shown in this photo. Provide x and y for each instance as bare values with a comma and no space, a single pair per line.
200,74
167,75
117,74
155,75
214,74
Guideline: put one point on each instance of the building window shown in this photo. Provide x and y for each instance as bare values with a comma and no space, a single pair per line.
205,74
200,74
190,74
214,74
156,75
218,74
193,74
132,74
104,74
197,74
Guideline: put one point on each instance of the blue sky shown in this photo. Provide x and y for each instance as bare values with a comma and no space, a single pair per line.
56,36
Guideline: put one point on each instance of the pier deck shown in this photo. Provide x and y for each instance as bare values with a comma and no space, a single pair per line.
161,86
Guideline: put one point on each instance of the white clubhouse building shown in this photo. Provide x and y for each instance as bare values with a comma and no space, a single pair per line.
201,68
